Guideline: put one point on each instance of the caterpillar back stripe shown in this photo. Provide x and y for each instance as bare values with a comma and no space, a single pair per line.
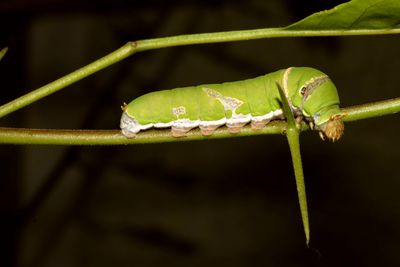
311,94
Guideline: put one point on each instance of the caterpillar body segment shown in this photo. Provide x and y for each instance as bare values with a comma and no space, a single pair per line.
310,92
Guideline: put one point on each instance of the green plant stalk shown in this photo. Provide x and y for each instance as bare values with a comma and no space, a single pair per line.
294,145
19,136
244,35
371,110
189,39
293,137
3,52
63,82
114,137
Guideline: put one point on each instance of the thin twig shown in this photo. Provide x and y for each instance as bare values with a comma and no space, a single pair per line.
293,137
190,39
114,137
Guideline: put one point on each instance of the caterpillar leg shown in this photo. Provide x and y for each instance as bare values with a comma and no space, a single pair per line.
207,130
256,125
235,127
179,132
236,123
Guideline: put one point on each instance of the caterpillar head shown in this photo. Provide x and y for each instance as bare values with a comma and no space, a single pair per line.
332,129
317,98
321,102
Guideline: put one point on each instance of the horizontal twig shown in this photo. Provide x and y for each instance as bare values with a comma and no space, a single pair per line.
371,110
189,39
114,137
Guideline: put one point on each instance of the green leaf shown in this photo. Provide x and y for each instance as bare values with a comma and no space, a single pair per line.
356,14
3,52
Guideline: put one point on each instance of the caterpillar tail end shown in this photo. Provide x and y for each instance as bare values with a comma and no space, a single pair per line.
129,126
333,129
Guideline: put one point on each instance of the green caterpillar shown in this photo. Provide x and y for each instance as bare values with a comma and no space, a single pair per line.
311,94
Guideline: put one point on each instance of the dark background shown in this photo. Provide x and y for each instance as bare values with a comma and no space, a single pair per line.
223,202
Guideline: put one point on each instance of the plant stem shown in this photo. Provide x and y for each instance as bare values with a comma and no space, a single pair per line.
71,78
3,52
293,137
244,35
180,40
360,112
114,137
294,145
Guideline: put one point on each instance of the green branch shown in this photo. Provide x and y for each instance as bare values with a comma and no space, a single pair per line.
63,82
189,39
114,137
3,52
371,110
244,35
293,137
